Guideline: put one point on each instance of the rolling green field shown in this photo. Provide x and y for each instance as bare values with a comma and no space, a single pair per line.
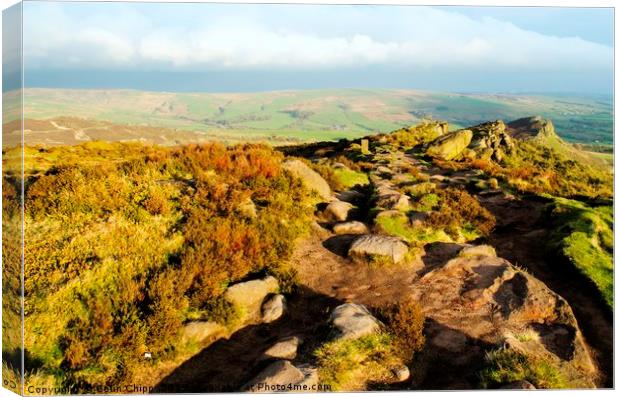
315,115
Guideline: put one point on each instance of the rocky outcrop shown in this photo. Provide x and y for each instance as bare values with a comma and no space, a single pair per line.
491,141
374,247
531,128
249,295
310,178
352,321
482,297
450,146
273,308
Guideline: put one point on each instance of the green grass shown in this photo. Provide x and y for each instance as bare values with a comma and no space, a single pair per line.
349,178
584,235
506,366
346,365
399,226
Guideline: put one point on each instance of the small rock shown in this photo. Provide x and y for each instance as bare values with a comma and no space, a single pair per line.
284,349
353,227
273,308
280,374
353,321
401,373
373,246
478,250
337,211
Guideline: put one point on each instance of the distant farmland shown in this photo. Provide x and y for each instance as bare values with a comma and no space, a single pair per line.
299,116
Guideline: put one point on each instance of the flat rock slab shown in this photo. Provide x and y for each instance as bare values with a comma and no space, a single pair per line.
284,349
374,246
353,227
250,295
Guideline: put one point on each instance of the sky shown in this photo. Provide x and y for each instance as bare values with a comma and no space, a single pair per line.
231,47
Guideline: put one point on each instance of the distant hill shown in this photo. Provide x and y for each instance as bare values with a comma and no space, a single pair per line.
314,115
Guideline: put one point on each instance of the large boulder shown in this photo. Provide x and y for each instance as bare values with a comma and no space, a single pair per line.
378,247
276,377
273,308
352,321
310,178
450,146
249,295
480,299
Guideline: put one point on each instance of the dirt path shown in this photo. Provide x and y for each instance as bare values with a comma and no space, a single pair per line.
520,236
323,268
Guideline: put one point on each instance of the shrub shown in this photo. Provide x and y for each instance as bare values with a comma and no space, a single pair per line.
405,321
458,209
122,252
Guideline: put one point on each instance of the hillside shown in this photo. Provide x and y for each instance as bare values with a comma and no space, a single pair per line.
427,258
317,115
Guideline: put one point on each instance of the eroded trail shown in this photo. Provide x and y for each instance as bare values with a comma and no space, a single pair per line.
520,237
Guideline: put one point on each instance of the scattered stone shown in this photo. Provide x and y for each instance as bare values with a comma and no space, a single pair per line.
478,250
280,374
450,146
352,321
273,308
310,178
337,211
249,295
373,246
353,227
401,373
284,349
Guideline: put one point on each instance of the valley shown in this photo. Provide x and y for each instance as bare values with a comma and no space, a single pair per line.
295,116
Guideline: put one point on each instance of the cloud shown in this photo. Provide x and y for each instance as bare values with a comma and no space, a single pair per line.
293,38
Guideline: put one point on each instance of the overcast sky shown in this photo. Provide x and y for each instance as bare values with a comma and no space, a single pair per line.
227,47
